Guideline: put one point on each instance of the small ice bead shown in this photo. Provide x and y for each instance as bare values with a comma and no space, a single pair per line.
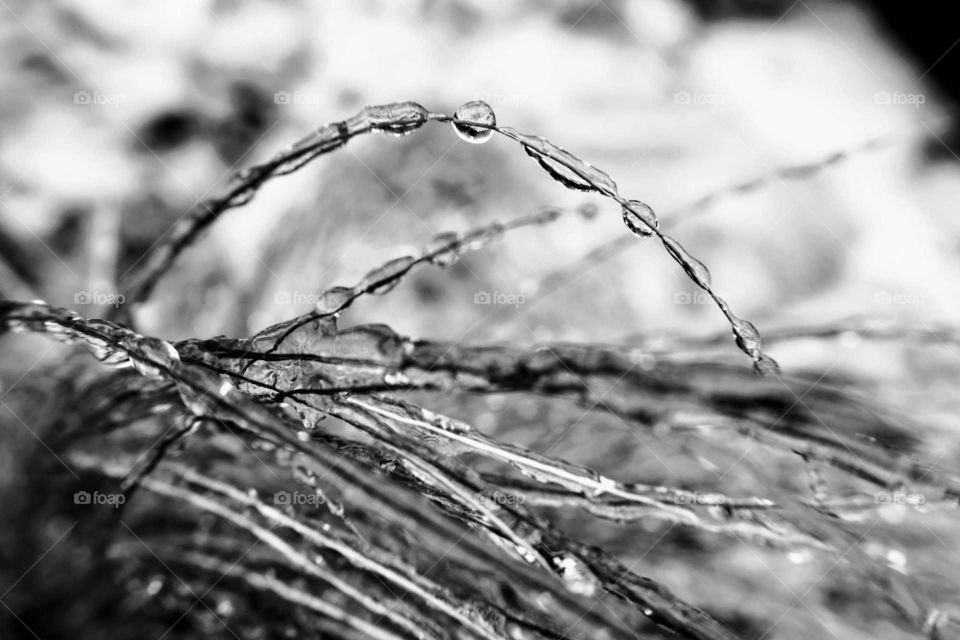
474,111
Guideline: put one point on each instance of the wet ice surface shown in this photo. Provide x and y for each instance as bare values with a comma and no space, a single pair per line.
733,492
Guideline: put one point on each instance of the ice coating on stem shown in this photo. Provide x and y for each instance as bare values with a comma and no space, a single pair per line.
475,122
385,278
586,177
397,119
697,271
377,350
479,238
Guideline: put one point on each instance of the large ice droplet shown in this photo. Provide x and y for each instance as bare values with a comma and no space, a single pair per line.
474,111
747,336
639,218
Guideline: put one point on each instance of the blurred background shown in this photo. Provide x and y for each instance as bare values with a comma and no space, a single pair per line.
117,118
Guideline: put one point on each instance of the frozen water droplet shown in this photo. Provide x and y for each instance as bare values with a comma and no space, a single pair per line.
747,336
640,218
767,366
474,111
445,246
397,119
333,300
386,277
697,271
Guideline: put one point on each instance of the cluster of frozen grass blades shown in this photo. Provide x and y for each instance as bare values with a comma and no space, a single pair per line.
401,484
